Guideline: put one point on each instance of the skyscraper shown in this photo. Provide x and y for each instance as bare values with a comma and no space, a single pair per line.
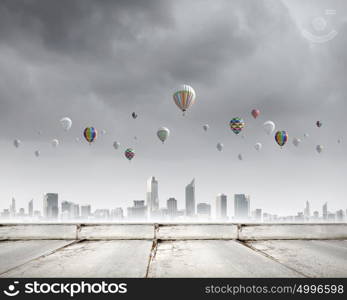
325,211
307,211
50,205
13,208
221,206
152,195
190,198
241,206
86,211
203,209
31,208
138,211
171,204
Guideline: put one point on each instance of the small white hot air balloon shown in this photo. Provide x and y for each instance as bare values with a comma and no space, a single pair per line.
37,153
296,141
306,135
66,123
269,127
116,145
55,143
220,146
206,127
258,146
163,133
16,143
319,148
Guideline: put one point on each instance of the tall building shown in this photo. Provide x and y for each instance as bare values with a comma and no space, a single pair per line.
171,205
138,211
13,208
117,213
50,206
307,211
203,209
31,208
241,206
258,214
190,198
221,206
76,211
325,211
340,215
86,211
152,195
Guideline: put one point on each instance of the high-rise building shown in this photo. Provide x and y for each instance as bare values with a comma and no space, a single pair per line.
50,206
340,215
203,209
316,214
171,205
325,211
86,211
152,195
117,213
75,211
31,208
13,208
258,214
221,206
190,198
307,211
138,211
241,206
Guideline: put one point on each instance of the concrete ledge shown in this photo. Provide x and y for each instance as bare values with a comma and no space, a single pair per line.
116,232
292,231
38,232
201,232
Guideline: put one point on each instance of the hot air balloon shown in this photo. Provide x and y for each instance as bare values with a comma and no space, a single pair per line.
66,123
37,153
55,143
163,133
255,113
236,125
129,154
90,134
184,97
77,139
134,115
240,157
206,127
339,141
306,135
296,141
319,124
319,148
220,146
281,137
103,132
116,145
16,143
269,127
258,146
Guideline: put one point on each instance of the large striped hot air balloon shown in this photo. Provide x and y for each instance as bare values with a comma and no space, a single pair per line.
281,137
90,134
129,153
184,97
236,125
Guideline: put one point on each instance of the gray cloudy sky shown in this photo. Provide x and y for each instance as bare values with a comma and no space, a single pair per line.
97,61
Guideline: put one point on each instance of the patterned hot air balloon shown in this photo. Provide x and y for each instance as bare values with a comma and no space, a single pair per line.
163,133
281,137
255,113
319,124
90,134
236,125
129,154
184,97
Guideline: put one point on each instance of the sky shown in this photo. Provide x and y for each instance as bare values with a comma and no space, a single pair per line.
96,62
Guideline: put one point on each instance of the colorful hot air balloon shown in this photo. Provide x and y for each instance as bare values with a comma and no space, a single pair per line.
90,134
269,127
236,125
134,115
163,133
255,113
66,123
258,146
319,148
281,137
220,146
129,154
319,124
55,143
116,145
184,97
16,143
296,141
206,127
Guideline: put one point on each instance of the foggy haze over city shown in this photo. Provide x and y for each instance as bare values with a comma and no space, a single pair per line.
97,62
